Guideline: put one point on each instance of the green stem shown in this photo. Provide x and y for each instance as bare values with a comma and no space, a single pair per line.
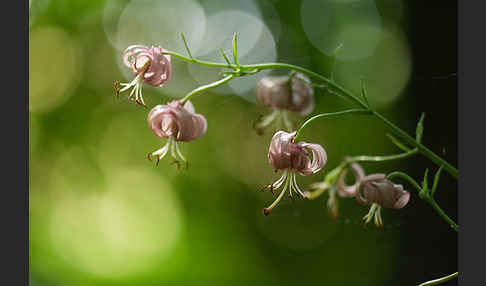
381,158
325,115
406,177
440,280
432,202
425,195
335,87
424,150
206,87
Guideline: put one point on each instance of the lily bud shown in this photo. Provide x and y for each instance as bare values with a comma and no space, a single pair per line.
377,189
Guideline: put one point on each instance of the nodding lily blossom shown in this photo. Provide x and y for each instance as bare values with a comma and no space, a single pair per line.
283,94
148,65
177,123
341,189
380,192
284,154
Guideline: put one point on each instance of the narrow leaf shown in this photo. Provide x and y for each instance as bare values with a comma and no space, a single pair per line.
398,143
363,93
185,44
425,184
420,128
235,49
334,56
436,179
224,56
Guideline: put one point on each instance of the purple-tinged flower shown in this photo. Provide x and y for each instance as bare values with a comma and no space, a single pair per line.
292,93
345,190
148,65
380,192
339,189
176,122
284,154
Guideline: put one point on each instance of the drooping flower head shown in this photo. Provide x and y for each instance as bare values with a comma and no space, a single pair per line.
149,65
339,188
176,122
284,154
380,192
292,93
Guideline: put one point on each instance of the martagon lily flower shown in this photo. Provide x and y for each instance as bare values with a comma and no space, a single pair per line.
176,122
284,94
149,65
284,154
341,189
380,192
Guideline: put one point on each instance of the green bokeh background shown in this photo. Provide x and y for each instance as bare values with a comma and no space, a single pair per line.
101,214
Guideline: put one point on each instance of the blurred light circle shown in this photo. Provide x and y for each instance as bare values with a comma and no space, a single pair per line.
127,229
385,73
264,51
327,24
222,26
151,22
54,68
256,44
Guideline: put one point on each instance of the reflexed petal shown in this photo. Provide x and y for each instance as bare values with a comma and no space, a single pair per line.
349,191
174,120
319,158
130,51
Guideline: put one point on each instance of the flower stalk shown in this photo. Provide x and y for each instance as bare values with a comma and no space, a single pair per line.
335,89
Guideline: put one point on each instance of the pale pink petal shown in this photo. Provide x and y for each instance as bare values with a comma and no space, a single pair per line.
345,190
130,51
319,158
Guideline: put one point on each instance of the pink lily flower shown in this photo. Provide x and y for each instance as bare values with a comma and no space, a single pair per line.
149,65
176,122
284,154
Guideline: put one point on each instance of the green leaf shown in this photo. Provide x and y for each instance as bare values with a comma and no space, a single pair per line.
436,180
398,143
235,49
420,128
425,184
333,63
185,44
224,56
363,93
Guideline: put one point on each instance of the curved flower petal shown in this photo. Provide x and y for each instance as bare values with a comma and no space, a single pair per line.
378,189
302,95
369,197
319,158
177,121
279,155
160,69
130,51
274,92
403,198
345,190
